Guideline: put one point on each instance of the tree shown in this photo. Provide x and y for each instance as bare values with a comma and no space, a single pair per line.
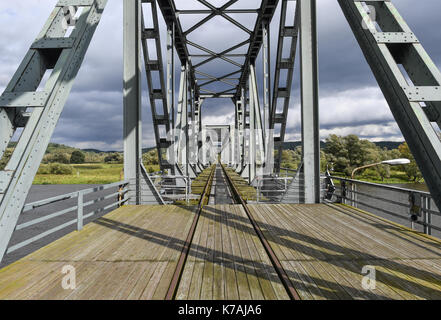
77,157
57,157
114,158
348,153
5,159
150,158
291,158
411,169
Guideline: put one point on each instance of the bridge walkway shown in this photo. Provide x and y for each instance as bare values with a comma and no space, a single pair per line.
132,253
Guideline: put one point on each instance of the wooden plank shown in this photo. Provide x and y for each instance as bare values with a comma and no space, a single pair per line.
231,281
207,282
239,264
218,281
124,251
329,242
127,286
183,291
261,265
300,228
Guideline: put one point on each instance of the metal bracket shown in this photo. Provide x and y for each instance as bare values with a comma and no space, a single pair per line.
23,99
395,37
420,94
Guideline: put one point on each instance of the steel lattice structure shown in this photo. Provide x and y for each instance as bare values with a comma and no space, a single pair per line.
181,137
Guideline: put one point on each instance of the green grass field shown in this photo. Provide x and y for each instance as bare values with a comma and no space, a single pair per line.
396,177
92,173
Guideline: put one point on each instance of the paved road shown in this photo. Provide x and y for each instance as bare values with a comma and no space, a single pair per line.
41,192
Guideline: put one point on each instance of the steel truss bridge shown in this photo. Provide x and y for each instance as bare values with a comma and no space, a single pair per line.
252,145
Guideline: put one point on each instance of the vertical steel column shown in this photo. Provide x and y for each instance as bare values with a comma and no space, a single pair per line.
268,136
132,96
309,100
193,143
171,94
252,139
258,129
266,78
242,129
182,122
199,136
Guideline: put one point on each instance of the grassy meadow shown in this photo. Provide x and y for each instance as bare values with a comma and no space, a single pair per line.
93,173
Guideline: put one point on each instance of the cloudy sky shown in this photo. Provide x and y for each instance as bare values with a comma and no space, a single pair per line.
350,101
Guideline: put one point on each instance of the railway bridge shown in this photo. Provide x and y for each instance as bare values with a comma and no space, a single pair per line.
222,219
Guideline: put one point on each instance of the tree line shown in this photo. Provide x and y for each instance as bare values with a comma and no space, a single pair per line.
345,153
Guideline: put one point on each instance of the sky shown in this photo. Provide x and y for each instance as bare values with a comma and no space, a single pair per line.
350,100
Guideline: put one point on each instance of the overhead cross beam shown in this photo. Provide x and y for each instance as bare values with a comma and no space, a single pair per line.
264,16
266,13
215,12
222,55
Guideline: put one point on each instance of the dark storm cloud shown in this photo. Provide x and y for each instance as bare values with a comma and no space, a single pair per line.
350,99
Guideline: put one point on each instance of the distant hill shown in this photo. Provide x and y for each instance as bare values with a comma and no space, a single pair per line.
291,145
98,151
288,145
390,145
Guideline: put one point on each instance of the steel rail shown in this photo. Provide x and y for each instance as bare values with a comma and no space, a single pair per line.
292,292
171,293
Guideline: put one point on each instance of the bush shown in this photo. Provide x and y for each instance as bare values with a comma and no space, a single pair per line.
114,158
150,158
150,170
77,157
5,159
57,157
56,168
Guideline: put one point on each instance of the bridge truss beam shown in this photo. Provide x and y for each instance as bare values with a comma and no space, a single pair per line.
37,112
412,92
410,81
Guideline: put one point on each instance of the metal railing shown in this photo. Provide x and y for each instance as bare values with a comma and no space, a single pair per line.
287,172
271,189
172,191
80,208
414,208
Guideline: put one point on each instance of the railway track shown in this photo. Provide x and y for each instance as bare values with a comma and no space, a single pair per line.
275,261
236,198
171,293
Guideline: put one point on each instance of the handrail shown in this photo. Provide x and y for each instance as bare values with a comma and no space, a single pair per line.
382,185
149,180
67,196
186,180
418,206
283,186
79,207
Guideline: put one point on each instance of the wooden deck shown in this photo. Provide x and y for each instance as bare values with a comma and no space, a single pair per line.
323,248
132,253
227,260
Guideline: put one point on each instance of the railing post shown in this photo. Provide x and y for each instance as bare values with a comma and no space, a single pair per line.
258,190
355,195
425,213
80,209
187,182
120,194
343,192
429,216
